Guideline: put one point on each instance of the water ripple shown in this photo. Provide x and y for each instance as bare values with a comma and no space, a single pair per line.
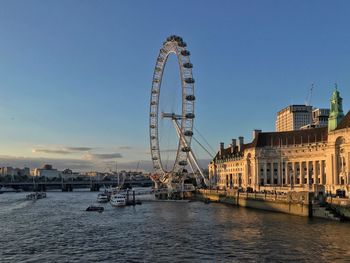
57,229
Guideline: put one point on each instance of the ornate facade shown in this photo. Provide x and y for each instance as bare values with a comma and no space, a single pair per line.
315,159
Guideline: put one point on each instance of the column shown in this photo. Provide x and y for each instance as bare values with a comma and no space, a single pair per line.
315,174
301,177
295,172
247,167
265,173
307,172
279,174
336,170
322,175
256,174
287,173
303,167
271,173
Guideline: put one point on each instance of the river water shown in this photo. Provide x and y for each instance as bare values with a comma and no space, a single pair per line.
57,229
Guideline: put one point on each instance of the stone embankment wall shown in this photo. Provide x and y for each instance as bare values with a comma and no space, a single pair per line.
296,203
340,204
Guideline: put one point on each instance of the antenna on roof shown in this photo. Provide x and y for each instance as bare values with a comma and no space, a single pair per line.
309,97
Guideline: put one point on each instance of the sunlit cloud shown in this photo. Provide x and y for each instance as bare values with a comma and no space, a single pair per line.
101,156
62,150
51,151
61,164
80,149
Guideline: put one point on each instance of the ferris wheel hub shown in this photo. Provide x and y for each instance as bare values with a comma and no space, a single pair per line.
172,116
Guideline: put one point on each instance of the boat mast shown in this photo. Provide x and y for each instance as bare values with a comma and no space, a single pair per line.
116,170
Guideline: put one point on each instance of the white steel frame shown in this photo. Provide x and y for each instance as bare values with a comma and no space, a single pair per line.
176,46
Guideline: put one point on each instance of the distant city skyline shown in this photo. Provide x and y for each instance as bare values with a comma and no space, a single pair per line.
75,76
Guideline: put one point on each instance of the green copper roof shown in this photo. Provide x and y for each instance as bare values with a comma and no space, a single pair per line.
336,110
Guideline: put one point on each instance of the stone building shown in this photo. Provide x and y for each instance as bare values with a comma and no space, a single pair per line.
315,159
46,171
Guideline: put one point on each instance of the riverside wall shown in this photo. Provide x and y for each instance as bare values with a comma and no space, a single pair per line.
295,203
342,205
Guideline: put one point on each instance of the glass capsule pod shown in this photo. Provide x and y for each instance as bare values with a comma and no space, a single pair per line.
185,149
188,65
189,116
183,163
185,52
189,80
182,44
190,97
188,133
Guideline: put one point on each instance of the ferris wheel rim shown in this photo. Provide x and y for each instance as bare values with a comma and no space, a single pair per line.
174,45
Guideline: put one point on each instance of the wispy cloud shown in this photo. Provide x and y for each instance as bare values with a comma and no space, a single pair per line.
101,156
61,164
51,151
79,149
62,150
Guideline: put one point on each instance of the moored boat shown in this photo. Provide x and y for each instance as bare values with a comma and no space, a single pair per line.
93,208
102,198
118,200
36,195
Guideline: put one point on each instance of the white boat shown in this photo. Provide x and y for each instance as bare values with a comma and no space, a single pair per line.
102,198
142,190
118,200
36,195
113,191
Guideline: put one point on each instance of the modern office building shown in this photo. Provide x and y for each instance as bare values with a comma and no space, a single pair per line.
320,117
293,117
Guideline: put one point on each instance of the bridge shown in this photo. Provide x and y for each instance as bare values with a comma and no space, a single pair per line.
67,186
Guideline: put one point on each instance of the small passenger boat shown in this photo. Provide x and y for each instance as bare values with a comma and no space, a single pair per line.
36,195
102,198
118,200
92,208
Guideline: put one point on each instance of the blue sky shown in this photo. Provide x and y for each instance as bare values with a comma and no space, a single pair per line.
75,76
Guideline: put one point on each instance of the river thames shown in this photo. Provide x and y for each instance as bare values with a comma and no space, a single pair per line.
57,229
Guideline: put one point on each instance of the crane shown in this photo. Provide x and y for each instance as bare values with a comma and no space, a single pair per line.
309,96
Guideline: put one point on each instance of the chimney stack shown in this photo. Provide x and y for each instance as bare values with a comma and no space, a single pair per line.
234,142
233,145
240,143
222,145
255,133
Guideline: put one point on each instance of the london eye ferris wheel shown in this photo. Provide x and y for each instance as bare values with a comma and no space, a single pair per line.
182,121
